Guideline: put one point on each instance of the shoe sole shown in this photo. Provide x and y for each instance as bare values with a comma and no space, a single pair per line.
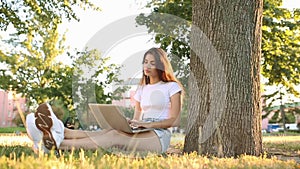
44,123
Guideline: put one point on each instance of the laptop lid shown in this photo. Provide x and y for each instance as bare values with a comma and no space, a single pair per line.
110,116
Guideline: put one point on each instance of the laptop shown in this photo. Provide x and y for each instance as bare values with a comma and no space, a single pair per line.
110,116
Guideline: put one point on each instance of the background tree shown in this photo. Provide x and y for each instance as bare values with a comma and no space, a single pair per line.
280,61
179,44
29,57
32,66
33,69
280,46
92,80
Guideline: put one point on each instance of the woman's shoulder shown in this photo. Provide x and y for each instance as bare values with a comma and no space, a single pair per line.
171,83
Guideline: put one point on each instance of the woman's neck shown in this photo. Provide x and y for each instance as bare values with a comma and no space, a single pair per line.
154,80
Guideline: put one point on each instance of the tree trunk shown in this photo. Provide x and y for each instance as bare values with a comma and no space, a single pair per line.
225,109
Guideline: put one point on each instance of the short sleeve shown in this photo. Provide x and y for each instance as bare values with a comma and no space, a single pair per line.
138,93
174,88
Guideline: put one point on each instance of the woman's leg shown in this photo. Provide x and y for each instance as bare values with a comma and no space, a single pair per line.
146,141
79,134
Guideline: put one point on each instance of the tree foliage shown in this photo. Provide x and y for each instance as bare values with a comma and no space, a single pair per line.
24,15
35,71
32,68
91,83
93,77
280,58
178,44
281,46
29,56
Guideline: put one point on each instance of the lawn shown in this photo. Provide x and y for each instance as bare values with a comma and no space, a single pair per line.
15,152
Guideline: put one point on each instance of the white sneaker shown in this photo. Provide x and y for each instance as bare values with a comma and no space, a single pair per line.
57,130
51,127
33,132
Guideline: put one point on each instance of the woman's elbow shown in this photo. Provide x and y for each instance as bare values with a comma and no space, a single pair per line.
174,122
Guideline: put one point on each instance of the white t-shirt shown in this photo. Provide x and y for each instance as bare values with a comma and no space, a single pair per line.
155,98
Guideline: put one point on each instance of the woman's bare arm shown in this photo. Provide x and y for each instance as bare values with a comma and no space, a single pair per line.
137,111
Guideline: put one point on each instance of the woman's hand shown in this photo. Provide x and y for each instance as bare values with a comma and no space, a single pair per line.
139,124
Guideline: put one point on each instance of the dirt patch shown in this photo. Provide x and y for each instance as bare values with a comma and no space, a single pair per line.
283,154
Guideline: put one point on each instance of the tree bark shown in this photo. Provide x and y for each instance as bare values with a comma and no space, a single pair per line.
225,109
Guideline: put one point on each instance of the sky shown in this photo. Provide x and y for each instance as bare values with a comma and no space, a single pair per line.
80,33
90,21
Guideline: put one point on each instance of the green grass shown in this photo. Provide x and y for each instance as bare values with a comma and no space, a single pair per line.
288,146
15,153
12,130
287,133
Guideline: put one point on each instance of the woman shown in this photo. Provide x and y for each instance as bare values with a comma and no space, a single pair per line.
158,105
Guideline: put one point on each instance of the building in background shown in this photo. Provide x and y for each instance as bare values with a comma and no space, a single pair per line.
127,97
8,107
